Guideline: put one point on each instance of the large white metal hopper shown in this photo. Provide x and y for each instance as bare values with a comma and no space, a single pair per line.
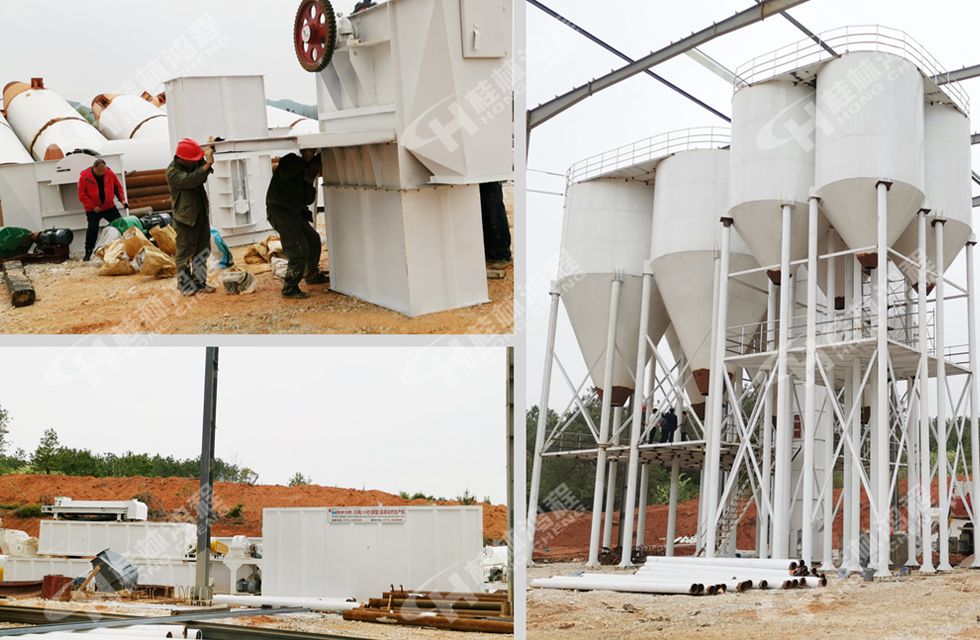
772,164
948,190
12,151
607,229
866,139
690,198
125,117
45,123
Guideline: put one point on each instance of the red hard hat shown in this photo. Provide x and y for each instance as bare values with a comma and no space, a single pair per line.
188,149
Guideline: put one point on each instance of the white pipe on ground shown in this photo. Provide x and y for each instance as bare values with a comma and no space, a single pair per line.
764,563
145,630
316,604
602,582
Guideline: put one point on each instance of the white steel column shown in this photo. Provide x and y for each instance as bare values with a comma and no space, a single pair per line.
944,565
764,517
600,474
611,485
675,476
925,462
641,520
974,390
853,501
912,475
784,427
636,427
717,386
534,497
880,426
809,402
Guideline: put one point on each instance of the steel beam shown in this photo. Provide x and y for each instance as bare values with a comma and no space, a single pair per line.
611,49
757,13
956,76
941,429
202,586
925,464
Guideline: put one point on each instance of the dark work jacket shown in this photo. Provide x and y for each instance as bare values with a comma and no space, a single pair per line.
188,192
288,189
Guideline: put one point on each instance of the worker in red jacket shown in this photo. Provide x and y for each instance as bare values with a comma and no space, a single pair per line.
97,188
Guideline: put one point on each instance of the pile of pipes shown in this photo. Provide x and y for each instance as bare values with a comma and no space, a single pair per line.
149,189
695,576
483,612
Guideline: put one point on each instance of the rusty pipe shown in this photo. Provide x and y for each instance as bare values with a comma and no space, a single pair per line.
428,603
445,595
435,621
134,191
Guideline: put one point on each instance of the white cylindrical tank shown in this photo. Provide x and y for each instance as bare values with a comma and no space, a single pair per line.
866,136
44,121
141,154
122,117
12,151
949,193
607,228
772,164
690,198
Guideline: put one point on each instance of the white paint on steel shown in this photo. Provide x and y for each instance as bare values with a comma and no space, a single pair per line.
131,117
772,164
30,114
434,549
12,150
690,196
781,479
607,228
925,462
942,429
949,193
878,137
133,540
605,582
333,605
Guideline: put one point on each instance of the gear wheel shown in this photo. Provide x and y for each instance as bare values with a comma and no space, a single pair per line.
315,34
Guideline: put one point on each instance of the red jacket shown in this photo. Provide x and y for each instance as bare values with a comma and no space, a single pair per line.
88,190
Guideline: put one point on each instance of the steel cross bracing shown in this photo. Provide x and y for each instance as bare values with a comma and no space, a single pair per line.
757,13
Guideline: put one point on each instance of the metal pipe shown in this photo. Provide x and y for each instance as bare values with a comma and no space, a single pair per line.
510,442
675,471
941,430
439,622
764,516
974,389
761,563
607,523
617,282
203,591
605,582
854,500
636,426
809,402
718,374
925,461
314,604
912,459
481,606
784,440
641,520
880,426
828,452
542,427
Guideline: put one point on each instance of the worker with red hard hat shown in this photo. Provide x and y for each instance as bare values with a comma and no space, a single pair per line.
98,187
186,176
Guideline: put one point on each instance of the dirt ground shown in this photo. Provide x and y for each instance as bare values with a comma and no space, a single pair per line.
175,499
324,623
73,299
937,606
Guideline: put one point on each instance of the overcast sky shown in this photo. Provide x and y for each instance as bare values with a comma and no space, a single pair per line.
82,49
392,419
641,107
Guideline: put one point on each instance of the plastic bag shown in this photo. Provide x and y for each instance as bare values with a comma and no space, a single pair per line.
238,282
221,257
153,262
166,239
279,266
275,249
262,251
126,222
134,240
116,261
107,236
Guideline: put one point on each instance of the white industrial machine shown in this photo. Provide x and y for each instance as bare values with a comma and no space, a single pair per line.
421,92
64,507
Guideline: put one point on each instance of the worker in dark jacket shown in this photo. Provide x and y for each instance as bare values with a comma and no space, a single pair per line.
186,176
98,187
287,201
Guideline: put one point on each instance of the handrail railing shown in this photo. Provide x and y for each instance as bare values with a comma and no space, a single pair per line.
659,146
849,39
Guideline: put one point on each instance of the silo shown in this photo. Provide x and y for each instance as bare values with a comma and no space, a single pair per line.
607,228
870,131
948,190
11,149
772,164
45,123
124,117
690,198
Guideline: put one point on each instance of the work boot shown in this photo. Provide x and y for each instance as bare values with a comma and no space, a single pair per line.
318,278
205,288
294,292
88,256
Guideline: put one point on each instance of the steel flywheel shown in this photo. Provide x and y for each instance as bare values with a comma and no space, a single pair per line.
315,34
